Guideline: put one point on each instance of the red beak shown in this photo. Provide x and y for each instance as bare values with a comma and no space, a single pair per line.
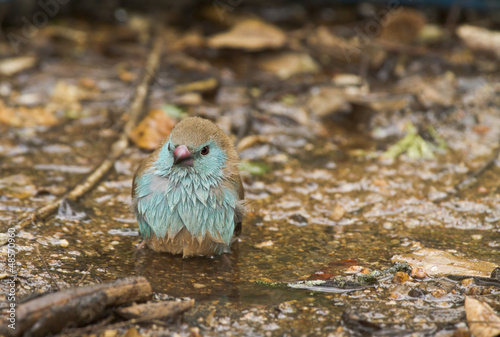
182,156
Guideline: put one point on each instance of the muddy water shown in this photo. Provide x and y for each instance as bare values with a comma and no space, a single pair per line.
290,233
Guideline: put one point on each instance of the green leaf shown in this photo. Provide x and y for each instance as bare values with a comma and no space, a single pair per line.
174,111
254,168
415,146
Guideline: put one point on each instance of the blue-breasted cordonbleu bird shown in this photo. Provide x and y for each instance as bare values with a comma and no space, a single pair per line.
187,195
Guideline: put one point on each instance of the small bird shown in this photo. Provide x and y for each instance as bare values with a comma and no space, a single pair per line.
187,195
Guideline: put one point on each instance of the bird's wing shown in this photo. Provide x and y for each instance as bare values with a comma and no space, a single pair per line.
144,227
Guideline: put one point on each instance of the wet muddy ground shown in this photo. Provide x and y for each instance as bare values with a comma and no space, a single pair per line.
325,190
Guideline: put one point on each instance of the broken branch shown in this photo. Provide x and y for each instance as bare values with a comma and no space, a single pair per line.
51,313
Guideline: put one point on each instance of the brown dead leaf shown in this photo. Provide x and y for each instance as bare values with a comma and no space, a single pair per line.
66,96
132,332
327,100
208,84
350,51
402,26
439,262
249,34
155,127
341,49
14,65
191,39
480,39
24,116
189,98
17,186
286,64
482,320
252,140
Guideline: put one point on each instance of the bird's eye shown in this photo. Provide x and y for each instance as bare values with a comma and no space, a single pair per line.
205,151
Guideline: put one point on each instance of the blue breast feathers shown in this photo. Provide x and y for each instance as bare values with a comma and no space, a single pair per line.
167,203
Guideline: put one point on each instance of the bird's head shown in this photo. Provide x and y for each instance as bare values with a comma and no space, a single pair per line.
197,146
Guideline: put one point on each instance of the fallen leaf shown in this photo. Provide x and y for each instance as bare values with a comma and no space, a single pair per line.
480,39
249,34
402,26
132,332
414,145
14,65
109,333
252,140
66,97
254,168
482,320
438,262
17,186
189,98
200,86
326,101
191,39
150,132
431,33
341,49
24,116
286,64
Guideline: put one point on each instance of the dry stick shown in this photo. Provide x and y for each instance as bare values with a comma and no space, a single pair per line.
52,311
84,275
118,146
149,317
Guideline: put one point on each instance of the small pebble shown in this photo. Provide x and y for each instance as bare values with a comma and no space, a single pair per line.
482,190
64,243
264,244
388,225
400,277
416,292
418,273
438,293
354,269
199,285
338,213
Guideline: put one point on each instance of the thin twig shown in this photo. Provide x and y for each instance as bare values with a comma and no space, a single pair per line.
118,147
46,267
84,275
